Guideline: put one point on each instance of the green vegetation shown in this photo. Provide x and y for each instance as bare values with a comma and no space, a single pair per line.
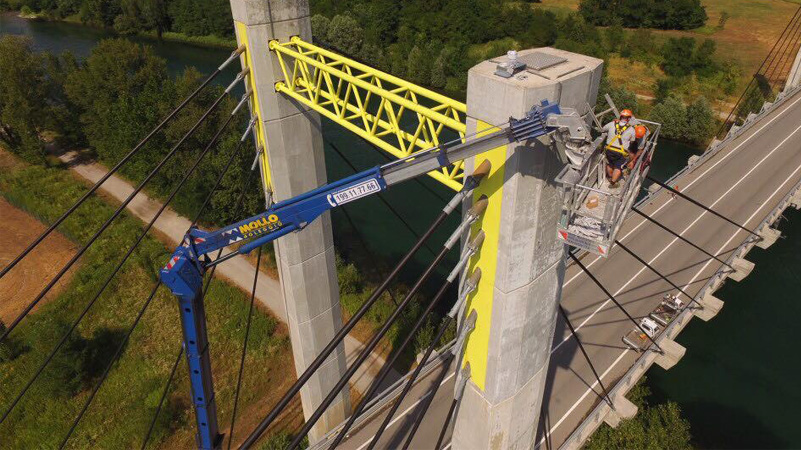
657,427
694,123
667,15
355,289
130,395
188,17
109,102
428,42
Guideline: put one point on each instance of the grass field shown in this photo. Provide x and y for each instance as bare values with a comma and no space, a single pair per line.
746,38
120,414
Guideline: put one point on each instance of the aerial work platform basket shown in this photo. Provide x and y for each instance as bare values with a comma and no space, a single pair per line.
593,212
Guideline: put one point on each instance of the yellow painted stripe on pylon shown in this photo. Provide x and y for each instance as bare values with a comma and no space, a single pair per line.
477,345
261,137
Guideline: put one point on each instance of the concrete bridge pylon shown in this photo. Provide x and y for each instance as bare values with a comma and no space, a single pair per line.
522,262
289,135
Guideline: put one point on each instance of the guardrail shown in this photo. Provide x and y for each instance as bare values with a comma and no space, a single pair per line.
734,132
644,362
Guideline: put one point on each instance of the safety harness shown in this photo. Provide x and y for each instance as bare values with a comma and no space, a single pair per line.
619,138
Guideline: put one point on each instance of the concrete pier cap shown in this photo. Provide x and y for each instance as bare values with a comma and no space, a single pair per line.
522,262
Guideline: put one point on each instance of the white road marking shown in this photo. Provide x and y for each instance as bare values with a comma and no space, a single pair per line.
631,280
748,138
406,411
765,203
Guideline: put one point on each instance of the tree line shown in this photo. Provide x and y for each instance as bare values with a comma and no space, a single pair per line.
107,103
190,17
666,15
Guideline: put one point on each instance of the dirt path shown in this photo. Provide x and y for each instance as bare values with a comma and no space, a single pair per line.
26,280
238,270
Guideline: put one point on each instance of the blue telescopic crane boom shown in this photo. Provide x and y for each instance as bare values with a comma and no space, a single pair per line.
183,274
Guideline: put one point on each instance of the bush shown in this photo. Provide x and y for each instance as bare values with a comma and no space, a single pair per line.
653,428
672,114
677,58
700,121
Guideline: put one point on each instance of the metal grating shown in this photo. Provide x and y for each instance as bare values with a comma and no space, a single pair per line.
540,60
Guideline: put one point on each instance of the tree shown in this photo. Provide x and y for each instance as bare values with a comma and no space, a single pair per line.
119,90
439,75
672,114
677,56
541,31
702,61
669,15
659,427
23,107
615,36
700,121
418,69
319,25
345,34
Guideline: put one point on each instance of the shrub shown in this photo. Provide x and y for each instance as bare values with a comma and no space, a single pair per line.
672,114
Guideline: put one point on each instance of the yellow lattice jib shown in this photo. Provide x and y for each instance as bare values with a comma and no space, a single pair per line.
398,117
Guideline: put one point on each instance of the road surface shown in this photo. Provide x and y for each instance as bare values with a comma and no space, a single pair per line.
744,181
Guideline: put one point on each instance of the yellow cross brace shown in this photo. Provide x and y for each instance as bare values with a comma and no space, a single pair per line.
396,116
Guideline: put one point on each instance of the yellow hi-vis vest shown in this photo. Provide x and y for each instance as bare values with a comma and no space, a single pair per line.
619,138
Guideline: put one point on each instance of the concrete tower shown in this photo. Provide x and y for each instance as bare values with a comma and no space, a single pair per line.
521,260
290,135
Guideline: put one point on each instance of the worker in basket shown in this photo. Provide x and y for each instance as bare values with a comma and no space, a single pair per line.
619,136
638,146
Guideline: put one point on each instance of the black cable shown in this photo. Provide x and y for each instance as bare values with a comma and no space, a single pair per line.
389,364
111,172
117,269
446,424
238,210
708,209
426,404
367,350
340,336
660,225
121,347
753,78
792,50
370,144
163,396
417,370
612,297
244,349
658,273
108,222
586,356
384,201
783,49
114,359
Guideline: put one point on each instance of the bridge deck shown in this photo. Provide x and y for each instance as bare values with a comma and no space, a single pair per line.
745,181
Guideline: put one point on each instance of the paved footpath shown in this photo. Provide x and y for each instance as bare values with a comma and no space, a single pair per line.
237,270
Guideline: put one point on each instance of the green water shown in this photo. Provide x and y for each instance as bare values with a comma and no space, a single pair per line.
736,382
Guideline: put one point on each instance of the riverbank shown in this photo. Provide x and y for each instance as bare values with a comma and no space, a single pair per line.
209,41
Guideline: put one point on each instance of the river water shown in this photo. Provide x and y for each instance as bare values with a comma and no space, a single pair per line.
735,384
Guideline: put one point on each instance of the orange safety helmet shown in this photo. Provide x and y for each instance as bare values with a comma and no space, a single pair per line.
640,131
626,113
